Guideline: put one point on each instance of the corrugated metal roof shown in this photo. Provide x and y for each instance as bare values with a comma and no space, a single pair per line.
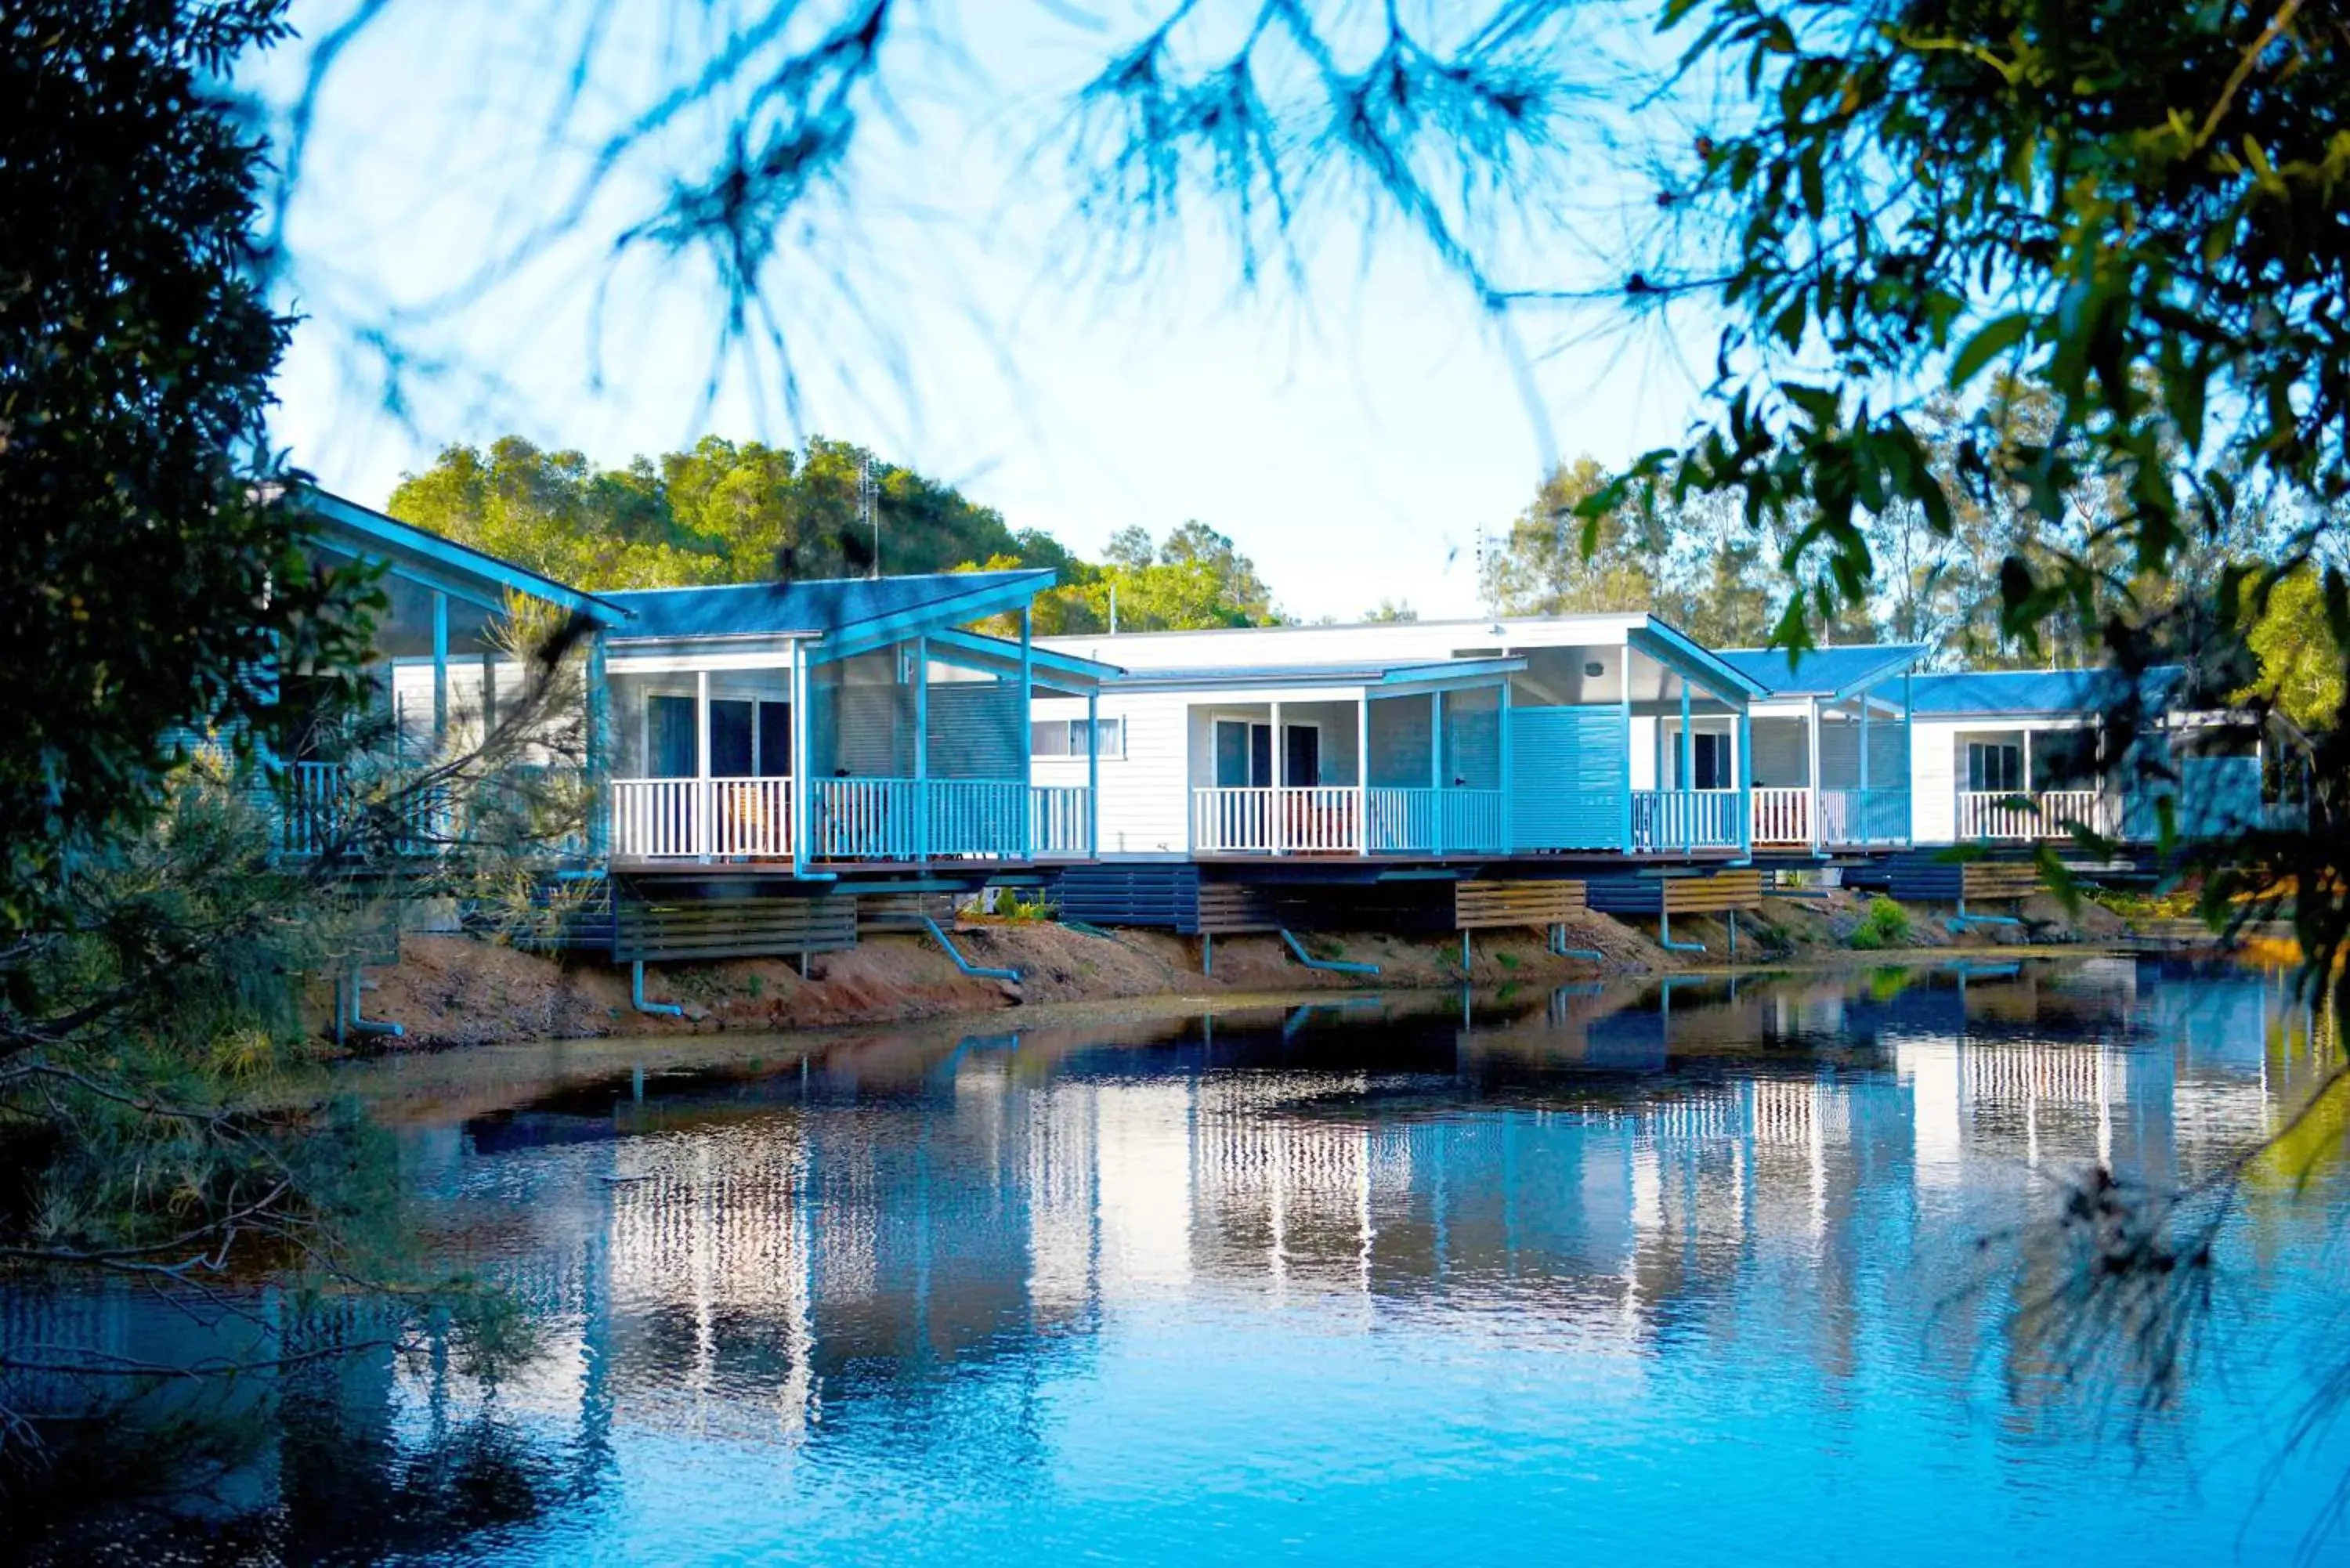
1819,671
2038,690
809,608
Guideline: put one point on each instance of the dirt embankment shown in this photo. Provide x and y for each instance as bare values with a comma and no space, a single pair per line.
458,991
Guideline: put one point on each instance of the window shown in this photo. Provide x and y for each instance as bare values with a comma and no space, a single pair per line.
1067,738
1994,767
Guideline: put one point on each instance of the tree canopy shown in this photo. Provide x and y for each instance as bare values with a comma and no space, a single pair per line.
722,512
729,511
151,575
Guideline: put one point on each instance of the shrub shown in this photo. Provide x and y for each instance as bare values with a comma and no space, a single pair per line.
1886,925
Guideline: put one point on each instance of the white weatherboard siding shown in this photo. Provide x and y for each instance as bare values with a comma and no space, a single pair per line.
1144,800
1644,752
1933,779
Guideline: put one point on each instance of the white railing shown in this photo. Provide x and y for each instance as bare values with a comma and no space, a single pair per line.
1320,819
657,819
1669,819
2013,814
1061,821
1344,819
1783,815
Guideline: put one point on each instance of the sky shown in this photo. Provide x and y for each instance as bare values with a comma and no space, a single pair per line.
1353,436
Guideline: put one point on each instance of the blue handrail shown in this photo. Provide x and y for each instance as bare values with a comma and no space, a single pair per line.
1337,966
979,971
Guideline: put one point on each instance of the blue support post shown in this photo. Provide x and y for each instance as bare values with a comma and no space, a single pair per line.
599,750
1509,835
1624,710
440,670
1027,734
1687,780
922,749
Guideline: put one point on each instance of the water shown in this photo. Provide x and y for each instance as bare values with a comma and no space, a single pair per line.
1712,1274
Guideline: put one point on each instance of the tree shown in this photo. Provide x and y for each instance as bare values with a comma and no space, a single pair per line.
722,511
150,571
1390,612
2300,664
1558,562
2129,215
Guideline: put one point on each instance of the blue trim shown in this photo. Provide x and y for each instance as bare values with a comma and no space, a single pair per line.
391,532
1090,672
1688,659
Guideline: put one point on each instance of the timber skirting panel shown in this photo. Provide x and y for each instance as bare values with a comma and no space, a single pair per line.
903,911
732,928
1716,894
1927,879
1485,906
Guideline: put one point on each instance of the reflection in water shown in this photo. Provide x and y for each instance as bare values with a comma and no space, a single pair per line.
1693,1273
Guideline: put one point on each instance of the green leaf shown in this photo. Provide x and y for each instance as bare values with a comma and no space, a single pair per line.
1987,344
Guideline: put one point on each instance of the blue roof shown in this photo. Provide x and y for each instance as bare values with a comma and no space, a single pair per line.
826,605
1819,671
2039,690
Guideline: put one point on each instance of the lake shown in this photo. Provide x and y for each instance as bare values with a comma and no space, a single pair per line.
1708,1271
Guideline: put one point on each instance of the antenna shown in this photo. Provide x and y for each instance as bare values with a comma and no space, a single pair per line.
868,492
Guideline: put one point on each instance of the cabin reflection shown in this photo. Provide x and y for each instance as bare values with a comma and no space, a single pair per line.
1605,1165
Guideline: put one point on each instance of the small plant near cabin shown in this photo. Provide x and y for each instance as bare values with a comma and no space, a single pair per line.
1885,925
1012,910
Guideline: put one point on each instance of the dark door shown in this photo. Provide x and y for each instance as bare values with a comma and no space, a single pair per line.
669,738
1710,760
730,740
774,740
1301,756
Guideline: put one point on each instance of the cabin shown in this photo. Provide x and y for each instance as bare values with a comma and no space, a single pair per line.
1597,736
445,657
2021,756
799,728
1831,746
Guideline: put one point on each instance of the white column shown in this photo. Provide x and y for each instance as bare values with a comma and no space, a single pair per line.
1812,779
1280,781
2023,784
701,834
440,669
922,746
799,770
1092,771
489,693
1363,774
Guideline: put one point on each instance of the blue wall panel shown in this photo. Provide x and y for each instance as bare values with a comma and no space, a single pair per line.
1570,773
